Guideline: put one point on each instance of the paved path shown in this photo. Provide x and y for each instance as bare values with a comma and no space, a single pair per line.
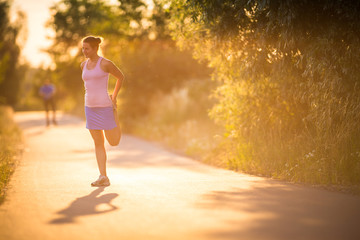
155,194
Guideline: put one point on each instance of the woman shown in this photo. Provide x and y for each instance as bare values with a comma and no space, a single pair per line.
100,108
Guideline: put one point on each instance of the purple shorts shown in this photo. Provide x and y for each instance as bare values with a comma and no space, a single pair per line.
100,118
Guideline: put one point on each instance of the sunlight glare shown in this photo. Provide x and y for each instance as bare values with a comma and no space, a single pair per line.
38,13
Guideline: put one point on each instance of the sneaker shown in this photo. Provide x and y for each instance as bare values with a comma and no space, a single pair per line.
101,182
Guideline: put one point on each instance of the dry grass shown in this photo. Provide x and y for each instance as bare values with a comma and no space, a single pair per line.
321,153
10,138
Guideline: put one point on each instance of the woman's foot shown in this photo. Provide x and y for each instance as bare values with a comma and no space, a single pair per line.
102,181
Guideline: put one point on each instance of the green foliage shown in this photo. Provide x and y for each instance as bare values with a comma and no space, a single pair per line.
136,39
10,138
10,71
290,75
72,20
152,68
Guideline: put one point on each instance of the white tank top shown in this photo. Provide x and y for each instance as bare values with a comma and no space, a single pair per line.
96,85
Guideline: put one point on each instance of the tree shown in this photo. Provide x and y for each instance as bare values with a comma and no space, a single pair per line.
136,39
152,63
72,20
10,71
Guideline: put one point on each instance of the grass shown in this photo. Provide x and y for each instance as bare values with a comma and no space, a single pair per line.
10,137
199,139
179,122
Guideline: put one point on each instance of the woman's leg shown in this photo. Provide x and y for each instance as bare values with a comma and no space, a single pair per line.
53,106
98,137
113,136
46,103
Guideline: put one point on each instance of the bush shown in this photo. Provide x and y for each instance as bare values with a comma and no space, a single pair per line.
289,96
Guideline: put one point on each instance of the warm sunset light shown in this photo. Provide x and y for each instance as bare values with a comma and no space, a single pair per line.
180,119
38,14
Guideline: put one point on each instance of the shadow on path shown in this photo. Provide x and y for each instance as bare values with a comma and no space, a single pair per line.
85,206
286,213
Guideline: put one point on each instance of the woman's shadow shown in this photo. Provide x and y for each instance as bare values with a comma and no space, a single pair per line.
86,205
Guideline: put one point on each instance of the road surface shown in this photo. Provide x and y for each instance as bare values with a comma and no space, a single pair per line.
155,194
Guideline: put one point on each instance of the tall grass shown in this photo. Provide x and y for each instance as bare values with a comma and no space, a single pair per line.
321,150
281,137
10,138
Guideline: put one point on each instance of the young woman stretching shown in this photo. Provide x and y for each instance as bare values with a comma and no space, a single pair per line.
100,107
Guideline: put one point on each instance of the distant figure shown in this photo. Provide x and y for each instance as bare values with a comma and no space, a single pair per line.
47,92
100,107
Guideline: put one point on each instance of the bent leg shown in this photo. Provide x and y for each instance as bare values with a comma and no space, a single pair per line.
98,137
113,136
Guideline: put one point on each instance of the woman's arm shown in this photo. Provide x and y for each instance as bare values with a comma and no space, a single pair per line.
111,68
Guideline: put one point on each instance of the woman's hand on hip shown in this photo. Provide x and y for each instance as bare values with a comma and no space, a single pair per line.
113,100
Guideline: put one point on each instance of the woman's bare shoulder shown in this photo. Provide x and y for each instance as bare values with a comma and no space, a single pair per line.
106,64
